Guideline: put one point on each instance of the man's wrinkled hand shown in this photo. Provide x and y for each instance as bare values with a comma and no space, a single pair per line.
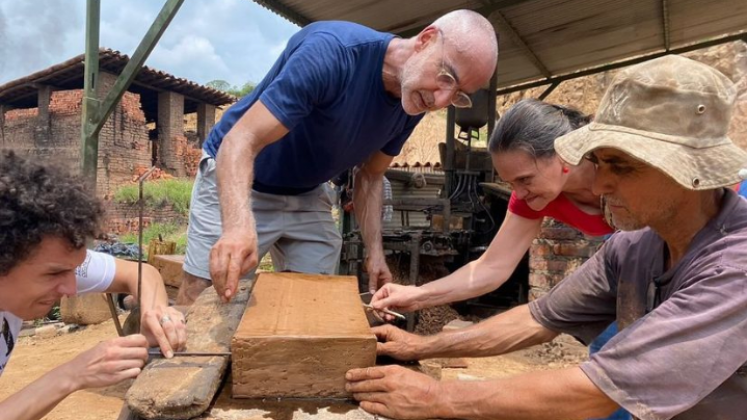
378,273
166,328
398,343
234,255
394,392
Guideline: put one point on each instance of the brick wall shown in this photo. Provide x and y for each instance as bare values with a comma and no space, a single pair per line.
124,218
557,252
125,151
172,143
123,141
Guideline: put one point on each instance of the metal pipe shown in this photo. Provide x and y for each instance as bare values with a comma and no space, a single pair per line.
115,316
141,202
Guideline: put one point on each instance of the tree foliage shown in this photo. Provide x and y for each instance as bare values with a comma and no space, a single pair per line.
237,91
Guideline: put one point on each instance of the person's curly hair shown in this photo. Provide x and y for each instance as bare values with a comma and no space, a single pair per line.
41,201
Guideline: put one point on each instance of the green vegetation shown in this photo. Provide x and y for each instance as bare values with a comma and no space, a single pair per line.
237,91
156,194
266,263
166,231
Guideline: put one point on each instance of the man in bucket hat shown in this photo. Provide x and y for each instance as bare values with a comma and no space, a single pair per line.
675,279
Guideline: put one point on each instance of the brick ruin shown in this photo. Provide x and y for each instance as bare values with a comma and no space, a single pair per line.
127,144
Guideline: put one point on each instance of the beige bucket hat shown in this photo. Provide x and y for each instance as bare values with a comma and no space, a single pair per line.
672,113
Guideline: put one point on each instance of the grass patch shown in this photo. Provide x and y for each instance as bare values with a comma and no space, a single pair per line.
157,194
266,263
167,231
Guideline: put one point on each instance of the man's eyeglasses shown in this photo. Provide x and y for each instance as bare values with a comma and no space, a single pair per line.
447,81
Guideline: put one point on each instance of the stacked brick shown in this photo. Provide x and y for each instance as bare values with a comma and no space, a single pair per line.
123,218
123,142
557,252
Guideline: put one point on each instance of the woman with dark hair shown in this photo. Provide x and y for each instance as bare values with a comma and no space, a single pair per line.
521,147
523,154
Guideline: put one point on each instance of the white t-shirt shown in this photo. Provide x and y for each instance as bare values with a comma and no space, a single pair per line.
95,275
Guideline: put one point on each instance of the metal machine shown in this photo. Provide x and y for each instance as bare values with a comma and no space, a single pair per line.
452,223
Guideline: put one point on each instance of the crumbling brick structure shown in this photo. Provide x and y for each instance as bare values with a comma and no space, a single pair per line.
556,253
41,114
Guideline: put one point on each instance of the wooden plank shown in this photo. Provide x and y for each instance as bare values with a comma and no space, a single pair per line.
184,387
298,337
170,267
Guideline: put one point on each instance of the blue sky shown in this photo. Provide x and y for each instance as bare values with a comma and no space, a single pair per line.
232,40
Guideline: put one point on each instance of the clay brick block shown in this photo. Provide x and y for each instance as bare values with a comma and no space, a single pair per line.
85,309
298,337
170,267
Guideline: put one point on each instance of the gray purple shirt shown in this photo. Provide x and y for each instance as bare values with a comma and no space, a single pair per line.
683,339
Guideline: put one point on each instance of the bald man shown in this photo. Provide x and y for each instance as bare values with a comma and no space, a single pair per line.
340,95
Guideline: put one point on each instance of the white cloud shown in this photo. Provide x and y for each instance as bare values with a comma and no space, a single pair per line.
194,56
233,40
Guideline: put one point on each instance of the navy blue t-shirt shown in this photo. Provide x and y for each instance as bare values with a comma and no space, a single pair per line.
327,90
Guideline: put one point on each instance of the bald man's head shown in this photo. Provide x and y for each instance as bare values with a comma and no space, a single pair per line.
461,45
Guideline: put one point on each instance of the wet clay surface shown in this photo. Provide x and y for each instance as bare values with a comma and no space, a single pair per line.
299,336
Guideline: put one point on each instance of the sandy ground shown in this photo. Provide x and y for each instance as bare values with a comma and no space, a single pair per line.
35,356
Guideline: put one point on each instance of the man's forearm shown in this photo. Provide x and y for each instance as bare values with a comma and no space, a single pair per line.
235,174
38,398
562,394
367,200
503,333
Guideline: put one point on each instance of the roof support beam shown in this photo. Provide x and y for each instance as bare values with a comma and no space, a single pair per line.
665,23
619,64
514,36
285,11
95,113
90,140
548,91
490,7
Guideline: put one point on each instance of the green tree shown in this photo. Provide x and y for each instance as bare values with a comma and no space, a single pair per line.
243,91
236,91
220,85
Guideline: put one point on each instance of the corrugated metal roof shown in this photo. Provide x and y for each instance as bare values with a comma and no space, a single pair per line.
565,36
22,93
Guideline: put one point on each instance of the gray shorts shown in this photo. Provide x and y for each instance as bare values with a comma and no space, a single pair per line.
297,230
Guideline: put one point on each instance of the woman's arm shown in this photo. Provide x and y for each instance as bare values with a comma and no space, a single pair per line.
483,275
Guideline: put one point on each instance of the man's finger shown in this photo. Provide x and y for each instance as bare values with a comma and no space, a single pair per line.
125,374
169,328
374,408
363,374
181,335
366,386
377,397
373,281
157,330
250,261
232,277
382,332
218,263
124,364
134,340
